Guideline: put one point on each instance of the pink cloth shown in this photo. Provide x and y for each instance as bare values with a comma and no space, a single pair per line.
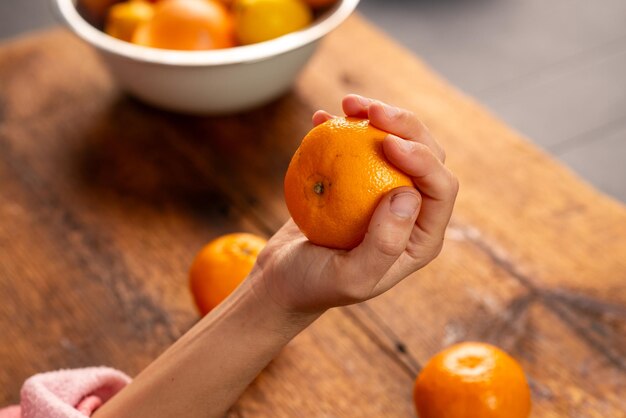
66,393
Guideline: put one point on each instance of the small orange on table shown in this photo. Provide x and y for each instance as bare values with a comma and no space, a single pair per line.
221,266
336,179
472,380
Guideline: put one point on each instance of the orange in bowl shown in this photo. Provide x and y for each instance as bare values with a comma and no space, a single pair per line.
472,380
124,18
187,25
221,266
217,81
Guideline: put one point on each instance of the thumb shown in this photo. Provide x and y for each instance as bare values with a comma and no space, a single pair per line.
388,233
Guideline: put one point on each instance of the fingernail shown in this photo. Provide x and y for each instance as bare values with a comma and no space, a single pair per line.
390,111
404,204
403,144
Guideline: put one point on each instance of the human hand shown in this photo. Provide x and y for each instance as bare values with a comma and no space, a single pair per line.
405,233
294,281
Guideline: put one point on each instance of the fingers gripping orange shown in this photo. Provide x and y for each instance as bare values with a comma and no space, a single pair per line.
336,179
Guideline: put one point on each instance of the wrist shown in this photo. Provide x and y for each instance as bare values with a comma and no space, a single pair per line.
286,319
208,368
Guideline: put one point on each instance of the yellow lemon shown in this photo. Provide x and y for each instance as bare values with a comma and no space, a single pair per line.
262,20
124,18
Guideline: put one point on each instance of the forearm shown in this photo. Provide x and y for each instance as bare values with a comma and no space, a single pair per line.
204,372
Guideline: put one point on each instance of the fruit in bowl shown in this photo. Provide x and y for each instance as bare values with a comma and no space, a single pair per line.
208,77
207,24
262,20
124,18
187,25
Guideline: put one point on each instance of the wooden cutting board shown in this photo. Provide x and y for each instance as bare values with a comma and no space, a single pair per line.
104,202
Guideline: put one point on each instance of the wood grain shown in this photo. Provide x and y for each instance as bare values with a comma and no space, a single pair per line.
104,201
102,215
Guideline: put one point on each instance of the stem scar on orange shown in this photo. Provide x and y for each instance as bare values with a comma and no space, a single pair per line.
472,380
336,179
221,266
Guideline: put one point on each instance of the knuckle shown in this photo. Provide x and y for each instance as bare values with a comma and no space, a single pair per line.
421,149
436,250
426,252
388,247
354,293
408,116
453,183
442,154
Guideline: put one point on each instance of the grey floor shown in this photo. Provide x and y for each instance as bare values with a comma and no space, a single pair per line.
554,70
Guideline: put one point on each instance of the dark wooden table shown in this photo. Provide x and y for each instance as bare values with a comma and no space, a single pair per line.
104,202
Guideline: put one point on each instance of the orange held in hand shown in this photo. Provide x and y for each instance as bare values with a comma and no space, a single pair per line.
472,380
187,25
221,266
336,179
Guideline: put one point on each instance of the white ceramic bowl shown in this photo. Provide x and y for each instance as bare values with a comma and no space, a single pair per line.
208,82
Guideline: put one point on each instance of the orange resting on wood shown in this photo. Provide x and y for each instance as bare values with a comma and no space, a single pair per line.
221,266
472,380
336,179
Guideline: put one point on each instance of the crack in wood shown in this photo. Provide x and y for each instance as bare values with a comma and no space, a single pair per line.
511,327
399,346
591,336
388,350
586,303
547,297
496,255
